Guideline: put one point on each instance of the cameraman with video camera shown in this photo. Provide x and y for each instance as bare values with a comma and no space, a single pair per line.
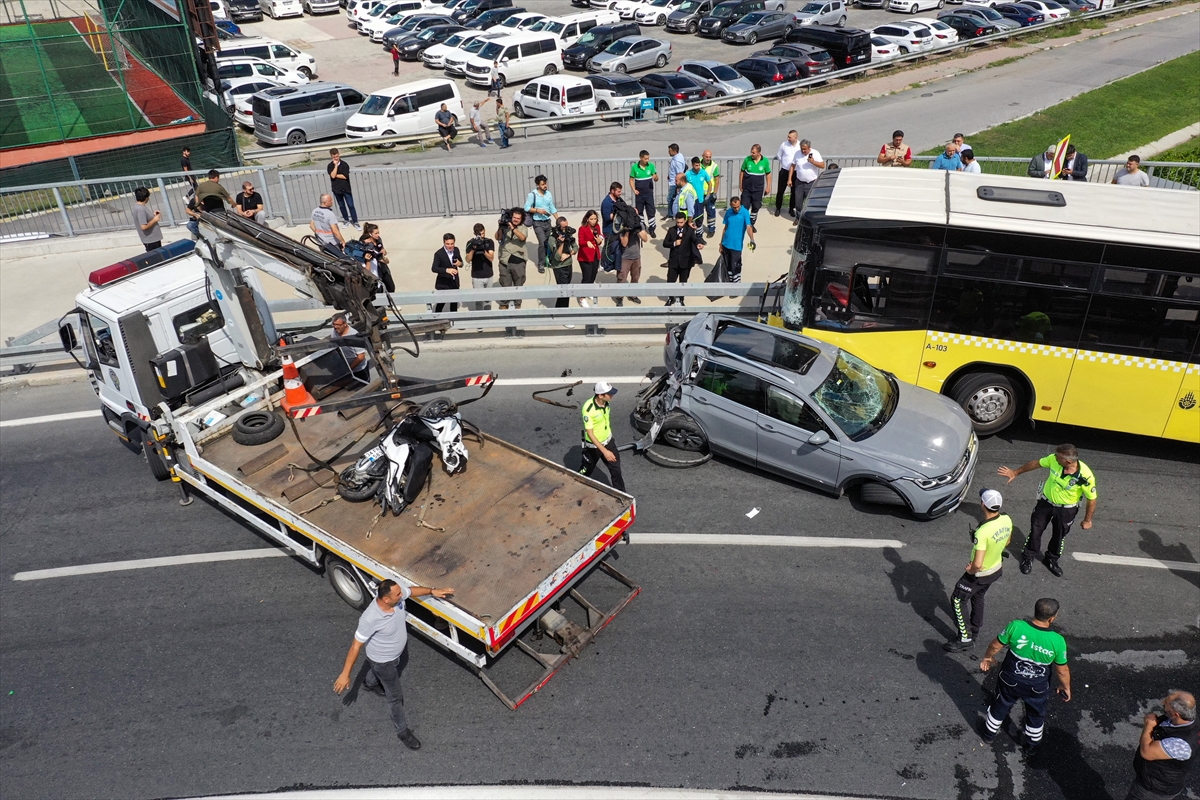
480,253
559,249
512,252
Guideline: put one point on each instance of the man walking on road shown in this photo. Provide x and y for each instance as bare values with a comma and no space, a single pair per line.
339,185
1033,651
984,569
787,158
598,437
1069,480
754,182
642,177
1166,750
382,628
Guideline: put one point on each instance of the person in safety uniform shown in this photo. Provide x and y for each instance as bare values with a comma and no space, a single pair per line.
754,182
598,437
1070,479
1033,651
642,177
1166,750
987,555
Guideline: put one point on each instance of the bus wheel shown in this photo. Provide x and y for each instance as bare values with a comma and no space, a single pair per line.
346,583
989,399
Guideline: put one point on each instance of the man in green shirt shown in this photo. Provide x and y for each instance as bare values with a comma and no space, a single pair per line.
1069,481
754,182
1033,652
987,553
642,177
598,437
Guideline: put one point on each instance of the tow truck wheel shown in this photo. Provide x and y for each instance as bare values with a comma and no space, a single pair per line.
346,583
158,467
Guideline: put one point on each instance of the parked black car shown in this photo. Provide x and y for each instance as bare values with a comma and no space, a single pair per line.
473,8
809,59
968,27
412,47
594,41
673,88
849,47
1023,15
244,10
494,17
411,27
764,71
727,13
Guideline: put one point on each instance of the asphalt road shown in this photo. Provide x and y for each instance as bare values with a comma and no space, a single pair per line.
801,669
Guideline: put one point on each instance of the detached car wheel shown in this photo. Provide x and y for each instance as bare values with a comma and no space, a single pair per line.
257,427
674,458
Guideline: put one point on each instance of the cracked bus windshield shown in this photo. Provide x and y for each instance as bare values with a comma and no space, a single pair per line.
858,397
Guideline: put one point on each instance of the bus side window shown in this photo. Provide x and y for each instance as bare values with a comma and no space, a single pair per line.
1027,313
1142,327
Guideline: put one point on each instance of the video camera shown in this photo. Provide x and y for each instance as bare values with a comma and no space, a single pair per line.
564,236
506,217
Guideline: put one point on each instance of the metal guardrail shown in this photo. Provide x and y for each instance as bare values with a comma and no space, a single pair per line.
21,358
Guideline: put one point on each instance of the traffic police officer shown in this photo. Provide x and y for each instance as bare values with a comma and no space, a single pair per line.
1070,479
597,435
1033,651
987,554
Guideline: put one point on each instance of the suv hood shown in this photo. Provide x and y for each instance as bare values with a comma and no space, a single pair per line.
584,50
928,433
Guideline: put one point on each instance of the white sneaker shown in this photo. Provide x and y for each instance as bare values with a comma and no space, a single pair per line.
583,303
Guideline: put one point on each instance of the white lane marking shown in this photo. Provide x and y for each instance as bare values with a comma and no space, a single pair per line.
569,379
149,563
758,540
1129,561
525,792
14,423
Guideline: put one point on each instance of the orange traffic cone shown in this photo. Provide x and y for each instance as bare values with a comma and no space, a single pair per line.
294,392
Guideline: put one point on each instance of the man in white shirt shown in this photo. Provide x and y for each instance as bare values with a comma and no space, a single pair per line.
787,156
806,168
324,224
382,629
969,164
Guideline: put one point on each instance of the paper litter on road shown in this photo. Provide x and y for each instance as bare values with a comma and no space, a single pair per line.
753,513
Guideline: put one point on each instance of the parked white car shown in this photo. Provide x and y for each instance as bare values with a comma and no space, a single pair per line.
1052,10
518,22
616,91
882,49
434,56
455,61
656,13
942,33
555,96
228,69
909,38
913,6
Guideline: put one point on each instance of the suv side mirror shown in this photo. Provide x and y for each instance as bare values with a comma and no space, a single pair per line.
819,438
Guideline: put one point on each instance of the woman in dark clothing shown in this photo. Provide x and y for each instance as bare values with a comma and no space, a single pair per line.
591,244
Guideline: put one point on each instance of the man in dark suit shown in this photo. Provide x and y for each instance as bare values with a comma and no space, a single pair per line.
446,263
684,243
1075,168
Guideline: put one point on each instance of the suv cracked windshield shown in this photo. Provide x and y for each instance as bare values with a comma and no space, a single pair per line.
859,397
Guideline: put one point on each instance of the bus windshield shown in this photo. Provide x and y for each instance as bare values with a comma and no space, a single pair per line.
858,397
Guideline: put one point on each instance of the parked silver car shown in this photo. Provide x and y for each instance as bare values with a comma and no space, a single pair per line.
718,80
822,12
631,53
759,25
809,411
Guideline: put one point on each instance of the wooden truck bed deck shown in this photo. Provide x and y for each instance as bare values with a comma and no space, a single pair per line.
493,533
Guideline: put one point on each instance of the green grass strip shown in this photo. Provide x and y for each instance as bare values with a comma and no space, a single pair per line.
1104,122
102,103
1188,152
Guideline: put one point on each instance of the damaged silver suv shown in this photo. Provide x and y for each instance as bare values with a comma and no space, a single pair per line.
808,411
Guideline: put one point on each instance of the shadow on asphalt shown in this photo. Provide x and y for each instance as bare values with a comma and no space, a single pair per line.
1153,545
916,584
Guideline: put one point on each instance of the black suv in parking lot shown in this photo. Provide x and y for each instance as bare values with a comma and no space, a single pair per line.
764,71
594,41
726,14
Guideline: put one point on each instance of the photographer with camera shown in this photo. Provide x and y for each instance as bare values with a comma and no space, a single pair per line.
512,252
480,252
559,249
1166,750
632,239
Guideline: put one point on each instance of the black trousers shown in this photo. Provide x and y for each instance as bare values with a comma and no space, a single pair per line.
972,590
588,270
1059,519
387,675
753,187
1033,692
562,275
783,187
591,457
678,273
438,307
733,264
153,246
644,203
800,194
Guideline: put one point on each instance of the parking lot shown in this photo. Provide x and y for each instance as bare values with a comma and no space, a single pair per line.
345,56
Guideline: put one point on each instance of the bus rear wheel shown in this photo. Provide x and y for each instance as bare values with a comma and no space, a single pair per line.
990,400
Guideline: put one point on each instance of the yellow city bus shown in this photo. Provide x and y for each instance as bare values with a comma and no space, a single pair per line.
1066,302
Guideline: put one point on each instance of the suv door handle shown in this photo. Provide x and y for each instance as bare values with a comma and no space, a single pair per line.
701,398
765,426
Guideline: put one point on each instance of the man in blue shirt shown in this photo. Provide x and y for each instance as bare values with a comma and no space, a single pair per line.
540,203
737,225
677,167
949,160
610,257
700,181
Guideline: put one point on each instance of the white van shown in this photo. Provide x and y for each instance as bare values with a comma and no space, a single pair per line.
270,50
218,9
568,29
555,96
522,56
277,9
405,110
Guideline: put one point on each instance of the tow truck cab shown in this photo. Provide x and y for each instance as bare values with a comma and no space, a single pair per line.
154,331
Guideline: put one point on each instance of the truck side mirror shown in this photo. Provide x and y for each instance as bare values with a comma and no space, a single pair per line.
66,334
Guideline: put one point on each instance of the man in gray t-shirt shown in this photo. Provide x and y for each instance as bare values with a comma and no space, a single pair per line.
1132,174
149,233
324,223
382,630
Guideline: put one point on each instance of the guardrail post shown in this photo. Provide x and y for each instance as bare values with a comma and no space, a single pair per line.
445,193
262,182
287,206
62,210
162,190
